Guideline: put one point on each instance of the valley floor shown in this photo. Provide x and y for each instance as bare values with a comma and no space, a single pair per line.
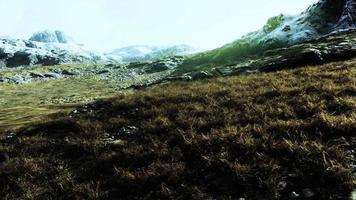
281,135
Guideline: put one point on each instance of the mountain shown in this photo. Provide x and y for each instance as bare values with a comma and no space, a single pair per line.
55,47
320,19
49,36
46,48
149,53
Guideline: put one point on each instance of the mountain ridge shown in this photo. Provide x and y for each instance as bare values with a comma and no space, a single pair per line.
318,20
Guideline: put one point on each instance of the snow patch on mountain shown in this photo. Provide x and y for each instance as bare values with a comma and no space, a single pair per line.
145,53
46,48
318,20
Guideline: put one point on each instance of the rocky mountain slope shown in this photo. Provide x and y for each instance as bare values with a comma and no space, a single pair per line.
320,19
340,45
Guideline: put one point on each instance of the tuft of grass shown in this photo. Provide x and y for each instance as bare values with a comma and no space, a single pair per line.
262,136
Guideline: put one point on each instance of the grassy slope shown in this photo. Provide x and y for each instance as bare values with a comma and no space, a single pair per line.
245,48
260,137
29,103
22,104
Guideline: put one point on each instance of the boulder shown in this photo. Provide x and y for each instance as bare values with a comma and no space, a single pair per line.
73,72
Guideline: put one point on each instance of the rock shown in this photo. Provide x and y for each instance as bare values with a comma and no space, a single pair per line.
52,75
223,71
11,136
308,193
162,65
2,63
353,195
281,185
200,75
21,58
17,79
286,28
36,75
294,195
105,71
348,16
73,72
118,142
3,80
56,71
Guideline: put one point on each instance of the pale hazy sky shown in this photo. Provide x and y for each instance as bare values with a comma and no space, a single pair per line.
109,24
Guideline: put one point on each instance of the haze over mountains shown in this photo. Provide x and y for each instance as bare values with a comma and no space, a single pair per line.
55,47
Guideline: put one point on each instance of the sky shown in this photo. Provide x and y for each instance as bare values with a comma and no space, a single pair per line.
108,24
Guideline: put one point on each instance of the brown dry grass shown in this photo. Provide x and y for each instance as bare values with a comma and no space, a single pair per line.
261,136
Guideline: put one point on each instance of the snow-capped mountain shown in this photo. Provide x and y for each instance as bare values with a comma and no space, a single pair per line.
55,47
144,53
49,36
46,48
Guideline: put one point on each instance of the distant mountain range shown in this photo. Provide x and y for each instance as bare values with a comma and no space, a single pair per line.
55,47
147,53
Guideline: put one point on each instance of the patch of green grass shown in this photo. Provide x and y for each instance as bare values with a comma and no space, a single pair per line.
262,136
23,104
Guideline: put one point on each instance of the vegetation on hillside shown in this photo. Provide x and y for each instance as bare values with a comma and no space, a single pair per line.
247,47
281,135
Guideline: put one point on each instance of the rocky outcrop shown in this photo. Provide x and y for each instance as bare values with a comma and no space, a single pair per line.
348,17
48,36
319,19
